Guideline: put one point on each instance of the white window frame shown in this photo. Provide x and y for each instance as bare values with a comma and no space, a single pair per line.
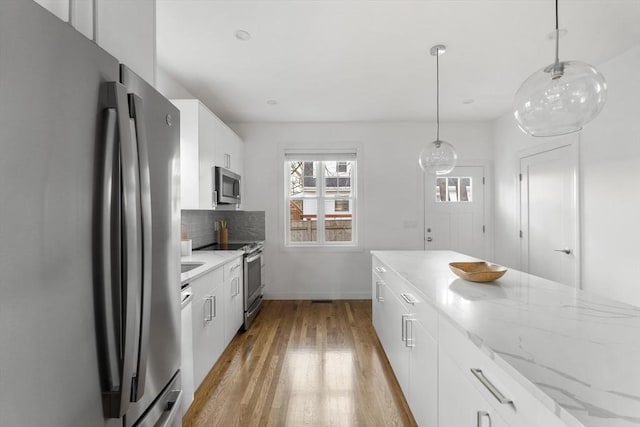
321,156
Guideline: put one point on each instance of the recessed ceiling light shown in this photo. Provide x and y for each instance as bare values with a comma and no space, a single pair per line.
272,101
243,35
468,101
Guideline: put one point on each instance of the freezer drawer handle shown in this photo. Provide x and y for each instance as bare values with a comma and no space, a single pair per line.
165,412
492,389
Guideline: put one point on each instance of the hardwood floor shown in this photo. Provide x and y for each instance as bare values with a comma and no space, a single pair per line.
303,363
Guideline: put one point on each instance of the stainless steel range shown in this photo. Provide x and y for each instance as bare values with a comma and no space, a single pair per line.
252,275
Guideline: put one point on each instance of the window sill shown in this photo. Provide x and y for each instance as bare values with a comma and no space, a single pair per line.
323,248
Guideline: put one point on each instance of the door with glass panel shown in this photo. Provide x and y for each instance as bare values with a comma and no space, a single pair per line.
454,211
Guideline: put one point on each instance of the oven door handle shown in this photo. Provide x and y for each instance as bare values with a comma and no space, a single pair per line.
256,307
254,257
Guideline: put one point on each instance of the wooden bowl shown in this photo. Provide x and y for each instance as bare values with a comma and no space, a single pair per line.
479,271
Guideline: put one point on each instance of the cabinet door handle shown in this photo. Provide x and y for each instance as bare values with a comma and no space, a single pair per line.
409,298
409,341
379,296
404,327
214,307
208,316
381,270
481,415
492,389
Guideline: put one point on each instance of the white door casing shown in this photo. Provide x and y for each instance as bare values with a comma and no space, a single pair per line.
456,225
549,217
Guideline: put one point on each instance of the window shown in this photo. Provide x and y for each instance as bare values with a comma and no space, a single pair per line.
454,189
320,199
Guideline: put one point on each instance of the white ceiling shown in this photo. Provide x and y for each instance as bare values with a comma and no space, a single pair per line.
368,60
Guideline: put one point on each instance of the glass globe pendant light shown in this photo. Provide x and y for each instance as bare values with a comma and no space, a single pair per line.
560,98
438,157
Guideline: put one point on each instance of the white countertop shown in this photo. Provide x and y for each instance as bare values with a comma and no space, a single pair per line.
210,259
577,352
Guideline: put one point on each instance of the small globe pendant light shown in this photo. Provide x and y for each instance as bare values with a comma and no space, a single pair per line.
560,98
438,157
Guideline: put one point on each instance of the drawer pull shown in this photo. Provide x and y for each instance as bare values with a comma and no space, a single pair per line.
409,298
381,270
485,382
481,415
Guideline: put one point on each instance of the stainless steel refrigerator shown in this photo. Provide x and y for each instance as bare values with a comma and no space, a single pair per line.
89,233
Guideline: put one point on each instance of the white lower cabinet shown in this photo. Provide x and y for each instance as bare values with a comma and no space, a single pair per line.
446,379
207,323
423,379
218,314
233,299
398,318
460,403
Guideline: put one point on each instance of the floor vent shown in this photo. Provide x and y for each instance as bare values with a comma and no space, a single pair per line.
321,301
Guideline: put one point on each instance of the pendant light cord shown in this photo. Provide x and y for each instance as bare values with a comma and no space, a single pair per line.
438,96
557,36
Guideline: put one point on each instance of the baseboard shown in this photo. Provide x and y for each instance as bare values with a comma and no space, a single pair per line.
316,295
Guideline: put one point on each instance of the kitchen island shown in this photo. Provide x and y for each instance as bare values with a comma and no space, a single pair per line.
545,346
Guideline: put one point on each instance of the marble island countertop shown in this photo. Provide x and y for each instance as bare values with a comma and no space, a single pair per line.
210,261
577,352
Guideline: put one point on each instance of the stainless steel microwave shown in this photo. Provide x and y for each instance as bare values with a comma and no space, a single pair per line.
227,186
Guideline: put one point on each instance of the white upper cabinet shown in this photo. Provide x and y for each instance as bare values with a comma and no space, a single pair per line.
229,152
60,8
125,29
204,142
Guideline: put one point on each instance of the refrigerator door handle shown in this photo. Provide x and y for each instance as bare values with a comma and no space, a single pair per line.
127,306
137,114
108,266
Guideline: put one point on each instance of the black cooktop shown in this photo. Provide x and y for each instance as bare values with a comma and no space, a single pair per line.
242,246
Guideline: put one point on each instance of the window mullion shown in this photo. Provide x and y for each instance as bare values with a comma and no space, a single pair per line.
320,203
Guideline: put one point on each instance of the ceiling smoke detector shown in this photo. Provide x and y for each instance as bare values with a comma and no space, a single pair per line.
243,35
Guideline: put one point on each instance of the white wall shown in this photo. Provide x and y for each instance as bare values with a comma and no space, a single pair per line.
610,186
127,30
392,196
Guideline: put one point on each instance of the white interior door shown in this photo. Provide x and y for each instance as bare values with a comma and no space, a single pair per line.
454,211
549,215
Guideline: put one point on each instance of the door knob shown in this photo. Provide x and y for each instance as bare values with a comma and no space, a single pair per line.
429,239
565,250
